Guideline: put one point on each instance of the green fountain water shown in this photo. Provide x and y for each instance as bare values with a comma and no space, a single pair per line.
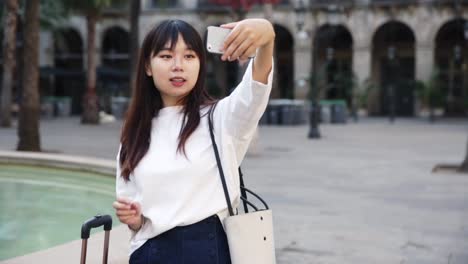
44,207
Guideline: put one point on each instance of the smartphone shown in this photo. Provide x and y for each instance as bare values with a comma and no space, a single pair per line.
215,39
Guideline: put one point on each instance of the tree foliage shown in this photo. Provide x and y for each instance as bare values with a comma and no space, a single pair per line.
94,7
52,14
431,92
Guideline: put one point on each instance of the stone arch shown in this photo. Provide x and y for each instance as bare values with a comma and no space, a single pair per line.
393,69
68,48
115,47
333,62
68,66
283,86
114,71
451,63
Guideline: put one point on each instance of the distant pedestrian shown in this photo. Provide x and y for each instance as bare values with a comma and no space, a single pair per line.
168,189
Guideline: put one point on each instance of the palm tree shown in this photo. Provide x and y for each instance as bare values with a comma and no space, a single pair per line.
135,7
92,10
28,124
9,61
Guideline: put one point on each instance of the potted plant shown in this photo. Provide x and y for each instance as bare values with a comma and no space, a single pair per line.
432,95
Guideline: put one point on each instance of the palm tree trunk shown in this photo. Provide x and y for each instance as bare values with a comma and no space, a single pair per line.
28,125
464,165
90,100
134,44
9,64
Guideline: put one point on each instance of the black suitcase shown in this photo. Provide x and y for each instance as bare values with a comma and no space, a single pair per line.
97,221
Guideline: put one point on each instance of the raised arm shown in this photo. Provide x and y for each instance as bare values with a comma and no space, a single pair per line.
251,37
240,112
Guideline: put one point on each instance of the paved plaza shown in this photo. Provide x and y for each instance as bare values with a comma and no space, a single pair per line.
363,193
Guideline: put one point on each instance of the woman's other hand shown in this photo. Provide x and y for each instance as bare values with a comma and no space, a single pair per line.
128,212
246,37
251,37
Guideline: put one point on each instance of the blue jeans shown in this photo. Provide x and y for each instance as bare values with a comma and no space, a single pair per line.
204,242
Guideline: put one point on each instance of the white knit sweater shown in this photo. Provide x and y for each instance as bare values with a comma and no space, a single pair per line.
174,190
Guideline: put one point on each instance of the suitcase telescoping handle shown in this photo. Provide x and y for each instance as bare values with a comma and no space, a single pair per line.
97,221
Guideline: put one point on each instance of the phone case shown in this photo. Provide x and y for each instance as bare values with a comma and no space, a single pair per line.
215,39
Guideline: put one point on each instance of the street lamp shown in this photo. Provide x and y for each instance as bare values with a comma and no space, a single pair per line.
391,51
457,56
457,52
466,30
330,54
391,54
300,20
302,34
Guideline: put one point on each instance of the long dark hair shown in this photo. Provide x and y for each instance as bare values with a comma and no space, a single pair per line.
146,99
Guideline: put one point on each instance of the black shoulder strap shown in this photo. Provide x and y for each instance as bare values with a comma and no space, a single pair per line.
243,192
221,172
218,161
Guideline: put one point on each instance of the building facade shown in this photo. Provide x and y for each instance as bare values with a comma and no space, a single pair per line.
375,54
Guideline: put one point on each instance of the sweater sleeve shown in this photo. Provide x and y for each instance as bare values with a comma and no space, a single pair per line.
122,188
125,189
244,107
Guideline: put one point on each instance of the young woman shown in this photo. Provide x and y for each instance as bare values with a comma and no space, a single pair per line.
169,192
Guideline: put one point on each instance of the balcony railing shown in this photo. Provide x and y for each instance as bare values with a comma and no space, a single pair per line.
321,4
223,6
212,6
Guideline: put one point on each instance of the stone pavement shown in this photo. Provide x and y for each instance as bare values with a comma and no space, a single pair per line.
364,193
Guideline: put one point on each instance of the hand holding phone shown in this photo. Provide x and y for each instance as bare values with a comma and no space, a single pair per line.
215,39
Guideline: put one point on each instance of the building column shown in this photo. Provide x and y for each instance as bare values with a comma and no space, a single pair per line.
362,63
302,68
188,4
424,61
46,49
145,4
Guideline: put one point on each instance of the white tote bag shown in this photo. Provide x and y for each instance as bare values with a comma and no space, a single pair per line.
250,235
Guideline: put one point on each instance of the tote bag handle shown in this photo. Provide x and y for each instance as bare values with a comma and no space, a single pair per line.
243,189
